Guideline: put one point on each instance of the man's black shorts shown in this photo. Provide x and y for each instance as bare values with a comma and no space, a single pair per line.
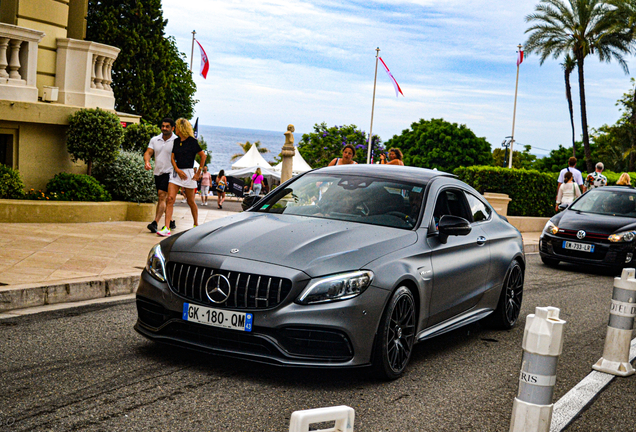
161,182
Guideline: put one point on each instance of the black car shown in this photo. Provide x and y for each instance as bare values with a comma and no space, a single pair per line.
339,267
597,229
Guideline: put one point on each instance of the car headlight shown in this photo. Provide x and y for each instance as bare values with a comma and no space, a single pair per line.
625,236
550,228
338,287
156,263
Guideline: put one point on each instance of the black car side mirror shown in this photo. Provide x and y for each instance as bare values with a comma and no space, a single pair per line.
563,206
249,201
452,225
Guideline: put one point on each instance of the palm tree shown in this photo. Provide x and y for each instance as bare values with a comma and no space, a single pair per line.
246,147
568,66
581,27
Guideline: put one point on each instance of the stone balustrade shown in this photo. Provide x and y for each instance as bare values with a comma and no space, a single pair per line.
18,63
84,73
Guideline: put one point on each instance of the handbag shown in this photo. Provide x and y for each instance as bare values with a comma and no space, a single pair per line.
220,187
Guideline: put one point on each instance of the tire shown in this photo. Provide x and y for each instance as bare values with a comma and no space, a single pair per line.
551,262
396,336
509,305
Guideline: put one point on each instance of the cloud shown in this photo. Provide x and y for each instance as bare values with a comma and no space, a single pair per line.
276,62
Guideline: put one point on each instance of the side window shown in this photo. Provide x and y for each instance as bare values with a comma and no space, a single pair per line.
450,202
479,210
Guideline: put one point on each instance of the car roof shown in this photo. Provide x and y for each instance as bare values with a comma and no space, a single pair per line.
615,189
392,172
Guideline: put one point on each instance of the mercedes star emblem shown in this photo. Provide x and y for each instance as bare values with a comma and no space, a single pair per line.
580,234
234,251
217,288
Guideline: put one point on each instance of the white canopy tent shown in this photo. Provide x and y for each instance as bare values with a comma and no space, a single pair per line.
251,159
299,165
247,172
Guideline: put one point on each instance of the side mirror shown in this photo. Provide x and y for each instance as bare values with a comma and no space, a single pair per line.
563,206
452,225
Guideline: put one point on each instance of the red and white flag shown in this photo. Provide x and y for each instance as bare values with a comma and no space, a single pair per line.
205,64
395,84
519,57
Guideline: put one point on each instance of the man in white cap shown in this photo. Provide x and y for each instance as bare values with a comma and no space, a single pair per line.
596,179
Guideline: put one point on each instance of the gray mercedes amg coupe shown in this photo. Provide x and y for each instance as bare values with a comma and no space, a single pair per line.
339,267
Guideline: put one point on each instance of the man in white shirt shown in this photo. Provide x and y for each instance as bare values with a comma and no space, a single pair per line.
161,147
576,175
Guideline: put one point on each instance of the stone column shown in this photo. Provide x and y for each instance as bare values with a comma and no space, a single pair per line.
288,154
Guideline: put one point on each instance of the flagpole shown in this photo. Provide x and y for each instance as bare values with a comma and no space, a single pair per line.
514,112
192,50
377,54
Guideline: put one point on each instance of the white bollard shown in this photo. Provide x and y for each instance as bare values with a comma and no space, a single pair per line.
615,358
542,346
343,416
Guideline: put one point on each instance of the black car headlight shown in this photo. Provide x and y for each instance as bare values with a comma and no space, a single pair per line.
625,236
156,263
550,228
339,287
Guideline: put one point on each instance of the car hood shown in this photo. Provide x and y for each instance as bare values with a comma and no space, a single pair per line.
315,246
596,223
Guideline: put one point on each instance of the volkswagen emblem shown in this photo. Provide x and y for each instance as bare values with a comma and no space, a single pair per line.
580,234
234,251
217,288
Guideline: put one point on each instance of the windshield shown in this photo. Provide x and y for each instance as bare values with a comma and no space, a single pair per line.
349,198
607,202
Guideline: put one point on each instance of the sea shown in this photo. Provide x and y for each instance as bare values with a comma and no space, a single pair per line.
223,144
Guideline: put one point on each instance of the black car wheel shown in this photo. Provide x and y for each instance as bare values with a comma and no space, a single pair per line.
396,335
550,261
509,306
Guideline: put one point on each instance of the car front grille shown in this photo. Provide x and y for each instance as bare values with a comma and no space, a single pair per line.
248,291
589,236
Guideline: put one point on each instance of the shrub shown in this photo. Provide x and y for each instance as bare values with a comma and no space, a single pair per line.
532,192
126,178
76,187
94,135
612,177
137,137
11,186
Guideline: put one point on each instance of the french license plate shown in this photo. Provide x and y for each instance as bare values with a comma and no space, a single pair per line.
583,247
218,317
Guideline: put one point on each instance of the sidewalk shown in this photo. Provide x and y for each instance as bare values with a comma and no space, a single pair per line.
42,264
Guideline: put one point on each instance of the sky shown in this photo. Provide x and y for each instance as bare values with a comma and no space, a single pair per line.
276,62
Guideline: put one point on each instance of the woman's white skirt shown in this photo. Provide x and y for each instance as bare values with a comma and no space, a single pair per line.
188,183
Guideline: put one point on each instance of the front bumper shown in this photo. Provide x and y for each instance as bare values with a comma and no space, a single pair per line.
338,334
605,254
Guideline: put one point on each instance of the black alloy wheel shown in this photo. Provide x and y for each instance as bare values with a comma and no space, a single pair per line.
509,306
396,335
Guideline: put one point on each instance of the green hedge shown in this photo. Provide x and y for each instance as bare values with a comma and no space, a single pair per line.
613,177
76,187
532,192
11,186
127,179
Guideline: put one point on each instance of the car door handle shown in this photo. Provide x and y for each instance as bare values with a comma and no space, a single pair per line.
481,240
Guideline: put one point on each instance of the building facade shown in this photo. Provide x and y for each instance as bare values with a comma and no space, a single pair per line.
48,71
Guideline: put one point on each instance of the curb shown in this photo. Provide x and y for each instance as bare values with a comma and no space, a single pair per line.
67,291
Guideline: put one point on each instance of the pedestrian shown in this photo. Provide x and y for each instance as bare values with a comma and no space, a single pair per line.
161,147
348,153
395,157
568,191
624,180
257,182
596,179
576,174
184,151
206,180
221,186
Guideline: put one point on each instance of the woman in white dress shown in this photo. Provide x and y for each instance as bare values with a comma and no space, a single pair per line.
568,192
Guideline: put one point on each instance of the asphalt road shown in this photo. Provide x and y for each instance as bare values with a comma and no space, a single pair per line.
86,369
